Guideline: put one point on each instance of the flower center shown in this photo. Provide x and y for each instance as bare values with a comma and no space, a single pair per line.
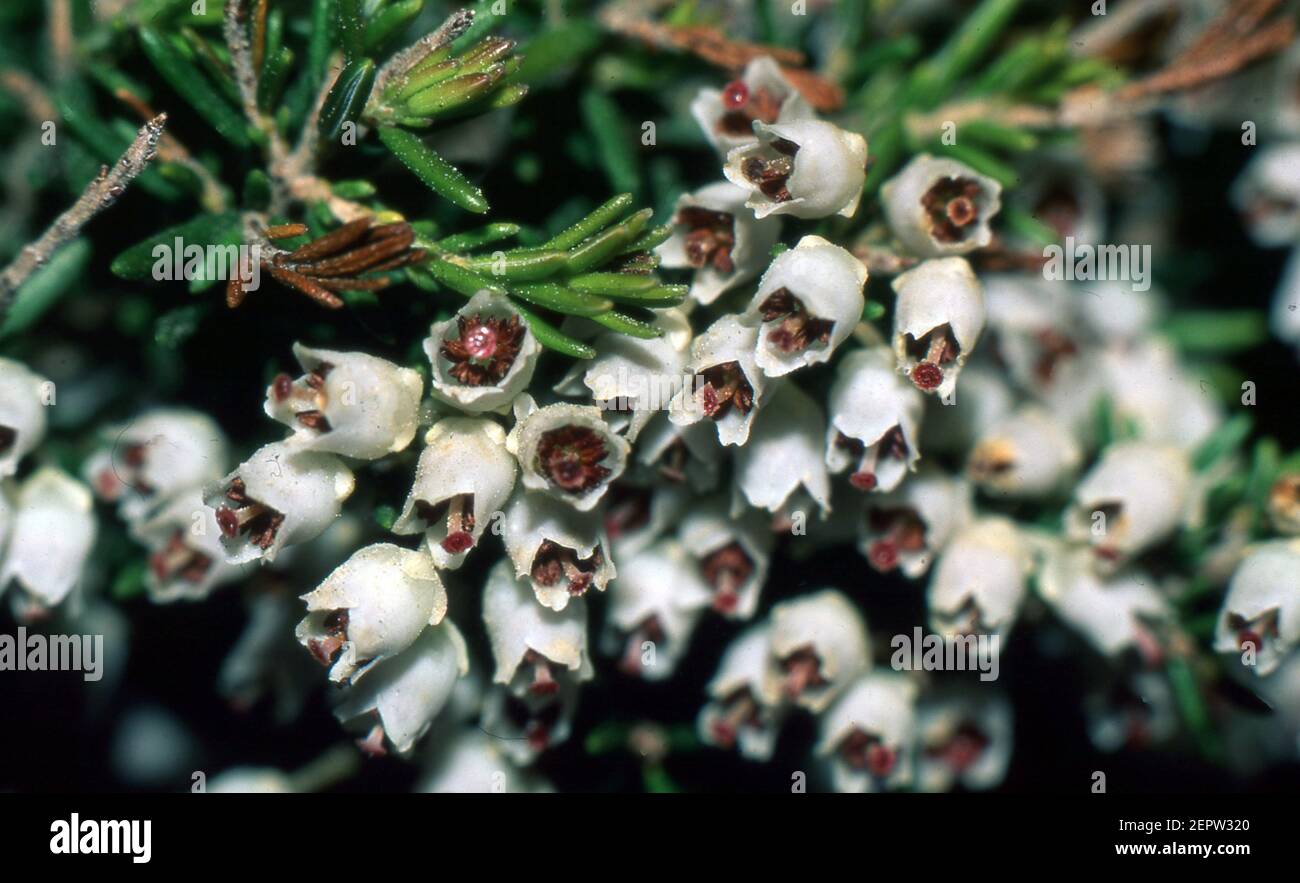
965,746
484,349
866,751
940,348
898,530
795,328
744,105
739,710
726,570
554,563
952,204
259,522
459,512
176,559
8,435
802,670
710,239
770,173
570,457
327,648
309,390
724,386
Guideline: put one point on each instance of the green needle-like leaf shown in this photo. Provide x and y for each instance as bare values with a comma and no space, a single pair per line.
438,175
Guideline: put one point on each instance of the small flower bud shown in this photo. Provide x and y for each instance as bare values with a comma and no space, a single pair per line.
964,737
1132,499
807,303
719,238
727,386
909,527
868,734
875,419
1028,455
372,607
762,94
938,207
559,550
276,498
938,317
407,691
53,530
784,453
352,404
737,715
464,475
483,356
979,581
1261,611
804,168
567,451
730,554
22,413
656,600
818,645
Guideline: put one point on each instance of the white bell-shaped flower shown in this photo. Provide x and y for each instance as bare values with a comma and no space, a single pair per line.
352,404
1135,497
731,555
632,379
938,317
483,356
952,424
464,476
24,396
567,451
472,762
535,648
637,514
938,206
529,724
719,238
276,498
683,455
155,457
875,421
186,559
804,168
560,551
1136,713
727,386
761,93
372,607
1030,454
405,693
1260,617
737,714
807,303
1267,194
908,528
654,606
52,532
868,735
818,645
1113,615
978,584
784,452
963,737
1147,387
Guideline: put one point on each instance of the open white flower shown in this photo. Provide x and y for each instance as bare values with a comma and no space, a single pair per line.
909,527
50,539
1029,454
534,648
567,451
464,475
875,419
632,379
979,581
953,424
1114,614
1147,386
276,498
1034,327
731,555
1135,713
405,693
471,762
1058,190
868,735
804,168
938,206
719,238
483,356
637,514
530,724
737,714
784,453
1261,612
186,559
963,737
1132,499
683,455
807,303
818,645
352,404
1268,195
938,317
727,386
560,551
654,606
372,607
23,400
266,660
155,457
762,94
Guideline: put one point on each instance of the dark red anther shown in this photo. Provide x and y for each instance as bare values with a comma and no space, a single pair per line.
735,95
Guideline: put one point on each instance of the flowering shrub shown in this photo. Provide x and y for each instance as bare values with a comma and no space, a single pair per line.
759,429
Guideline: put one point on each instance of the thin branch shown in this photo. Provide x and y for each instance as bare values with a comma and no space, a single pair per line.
61,41
101,193
35,100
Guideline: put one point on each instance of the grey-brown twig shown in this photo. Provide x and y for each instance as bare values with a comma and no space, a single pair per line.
101,193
